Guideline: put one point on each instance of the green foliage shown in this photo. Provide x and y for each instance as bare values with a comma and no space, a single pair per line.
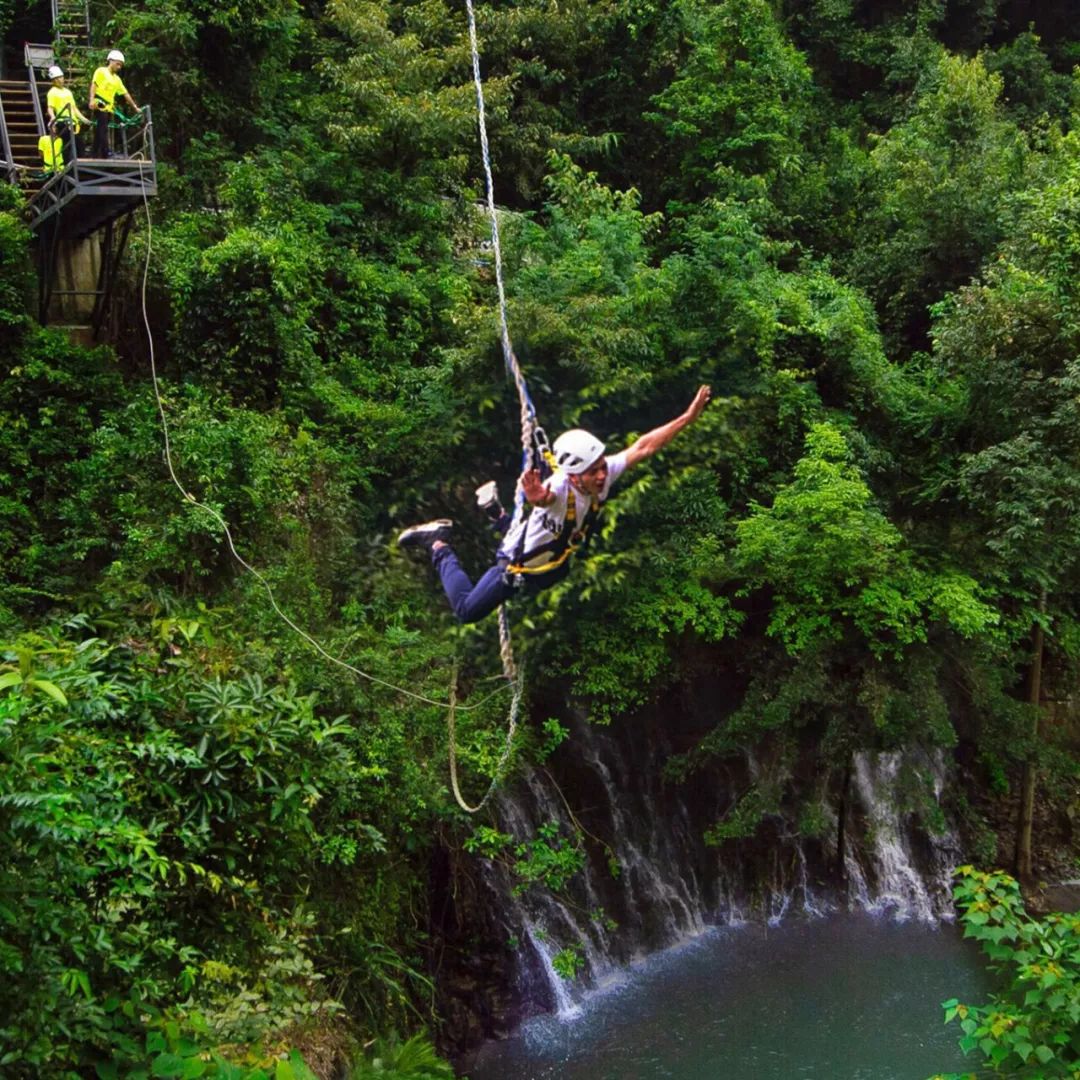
108,810
1032,90
1030,1026
943,176
745,814
835,563
214,837
156,818
738,103
15,273
568,962
551,859
1010,341
391,1059
52,398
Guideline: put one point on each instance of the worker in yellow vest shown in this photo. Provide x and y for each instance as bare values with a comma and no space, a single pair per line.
105,86
63,115
52,154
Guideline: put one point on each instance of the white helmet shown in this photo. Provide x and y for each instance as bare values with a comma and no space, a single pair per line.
115,54
56,72
576,450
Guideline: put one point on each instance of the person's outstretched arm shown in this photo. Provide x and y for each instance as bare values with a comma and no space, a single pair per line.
658,438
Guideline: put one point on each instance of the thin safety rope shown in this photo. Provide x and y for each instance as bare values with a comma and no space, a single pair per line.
528,436
528,413
316,645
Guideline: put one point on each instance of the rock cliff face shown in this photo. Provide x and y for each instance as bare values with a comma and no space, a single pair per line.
875,838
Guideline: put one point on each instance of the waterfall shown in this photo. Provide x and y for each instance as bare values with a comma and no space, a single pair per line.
649,881
887,873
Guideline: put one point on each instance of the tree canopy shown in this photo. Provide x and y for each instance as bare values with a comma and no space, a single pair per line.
857,221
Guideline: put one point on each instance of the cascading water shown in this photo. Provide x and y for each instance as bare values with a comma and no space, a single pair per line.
887,873
649,881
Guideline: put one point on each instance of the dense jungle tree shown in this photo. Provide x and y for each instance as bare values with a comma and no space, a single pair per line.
857,221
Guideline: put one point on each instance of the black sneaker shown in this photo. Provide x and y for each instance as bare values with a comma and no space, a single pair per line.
423,536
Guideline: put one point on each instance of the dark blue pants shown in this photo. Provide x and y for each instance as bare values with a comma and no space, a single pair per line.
470,603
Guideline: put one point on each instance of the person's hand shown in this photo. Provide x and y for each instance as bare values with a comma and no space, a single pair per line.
533,486
697,406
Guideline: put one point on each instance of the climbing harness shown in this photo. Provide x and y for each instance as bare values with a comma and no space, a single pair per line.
223,524
570,539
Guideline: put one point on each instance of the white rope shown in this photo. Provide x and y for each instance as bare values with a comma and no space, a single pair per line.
503,758
528,433
209,510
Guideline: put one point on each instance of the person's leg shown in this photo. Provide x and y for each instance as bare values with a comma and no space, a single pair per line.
101,134
67,139
469,602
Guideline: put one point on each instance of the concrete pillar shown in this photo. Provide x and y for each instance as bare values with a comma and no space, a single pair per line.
78,264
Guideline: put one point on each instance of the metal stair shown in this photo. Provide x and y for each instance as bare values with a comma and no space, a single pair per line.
71,37
20,118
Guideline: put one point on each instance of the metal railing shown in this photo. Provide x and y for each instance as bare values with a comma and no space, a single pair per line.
5,144
35,97
137,140
132,173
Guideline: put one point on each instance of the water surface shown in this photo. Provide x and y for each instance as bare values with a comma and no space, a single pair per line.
850,997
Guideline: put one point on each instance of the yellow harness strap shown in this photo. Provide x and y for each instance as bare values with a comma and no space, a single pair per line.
570,537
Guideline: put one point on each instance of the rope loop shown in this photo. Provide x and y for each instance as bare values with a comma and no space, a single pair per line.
504,757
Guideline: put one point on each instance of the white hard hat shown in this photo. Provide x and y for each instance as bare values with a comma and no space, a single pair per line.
115,54
56,72
576,450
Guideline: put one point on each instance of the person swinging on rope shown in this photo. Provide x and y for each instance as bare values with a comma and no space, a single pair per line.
535,551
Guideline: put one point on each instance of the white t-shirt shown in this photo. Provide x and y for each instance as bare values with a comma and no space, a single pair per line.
545,523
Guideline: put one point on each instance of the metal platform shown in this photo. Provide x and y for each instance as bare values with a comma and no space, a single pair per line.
90,197
92,191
